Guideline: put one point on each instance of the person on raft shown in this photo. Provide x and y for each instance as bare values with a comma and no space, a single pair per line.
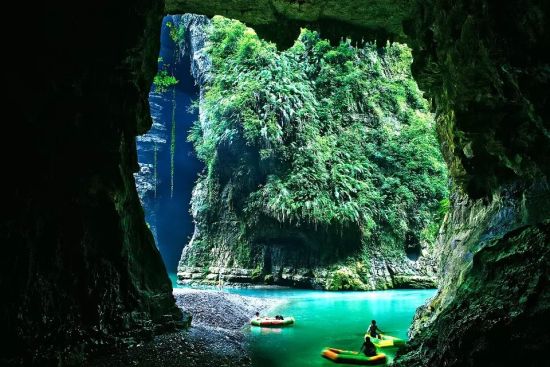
368,348
374,331
257,315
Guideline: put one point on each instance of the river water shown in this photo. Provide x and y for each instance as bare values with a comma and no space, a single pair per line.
335,319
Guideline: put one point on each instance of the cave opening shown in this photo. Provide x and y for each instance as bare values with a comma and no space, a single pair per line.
81,270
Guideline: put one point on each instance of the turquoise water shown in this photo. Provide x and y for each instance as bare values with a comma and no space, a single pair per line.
335,319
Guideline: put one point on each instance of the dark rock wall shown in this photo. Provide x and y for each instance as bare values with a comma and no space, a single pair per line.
485,66
494,294
79,269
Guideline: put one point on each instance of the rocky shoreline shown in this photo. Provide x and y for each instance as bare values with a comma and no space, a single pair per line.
215,337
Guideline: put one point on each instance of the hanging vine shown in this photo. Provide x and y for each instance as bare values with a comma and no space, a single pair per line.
173,142
165,79
155,162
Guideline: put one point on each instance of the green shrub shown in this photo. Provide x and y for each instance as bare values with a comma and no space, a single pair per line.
343,279
163,81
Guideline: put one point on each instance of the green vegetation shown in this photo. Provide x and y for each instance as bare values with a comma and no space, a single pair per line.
177,32
328,136
163,81
345,278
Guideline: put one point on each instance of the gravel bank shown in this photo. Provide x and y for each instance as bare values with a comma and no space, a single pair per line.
215,338
220,309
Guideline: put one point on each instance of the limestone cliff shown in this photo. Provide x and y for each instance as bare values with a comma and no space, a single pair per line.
493,296
232,245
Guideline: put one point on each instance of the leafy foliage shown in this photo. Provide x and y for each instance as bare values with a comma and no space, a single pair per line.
163,81
177,31
341,133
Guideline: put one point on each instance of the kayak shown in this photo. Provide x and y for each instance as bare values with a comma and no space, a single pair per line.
349,357
387,341
271,322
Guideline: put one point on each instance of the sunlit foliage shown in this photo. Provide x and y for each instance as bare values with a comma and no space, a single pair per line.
342,131
163,81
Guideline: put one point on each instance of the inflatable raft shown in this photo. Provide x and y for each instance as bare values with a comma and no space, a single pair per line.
271,322
387,341
349,357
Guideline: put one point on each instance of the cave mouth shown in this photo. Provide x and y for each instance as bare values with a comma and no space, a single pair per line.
413,252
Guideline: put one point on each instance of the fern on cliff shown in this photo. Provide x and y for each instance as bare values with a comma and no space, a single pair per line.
342,134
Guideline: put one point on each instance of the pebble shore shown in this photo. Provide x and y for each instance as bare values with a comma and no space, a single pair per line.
216,337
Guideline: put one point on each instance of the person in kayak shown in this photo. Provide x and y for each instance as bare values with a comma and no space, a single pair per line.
374,331
368,348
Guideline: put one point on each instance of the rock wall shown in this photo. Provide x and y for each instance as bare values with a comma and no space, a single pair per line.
168,167
79,270
482,63
493,299
376,20
150,146
274,252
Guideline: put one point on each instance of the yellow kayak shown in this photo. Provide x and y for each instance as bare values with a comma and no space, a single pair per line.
387,341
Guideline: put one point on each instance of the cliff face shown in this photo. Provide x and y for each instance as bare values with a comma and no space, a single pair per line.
493,296
352,216
168,167
79,270
151,147
483,63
